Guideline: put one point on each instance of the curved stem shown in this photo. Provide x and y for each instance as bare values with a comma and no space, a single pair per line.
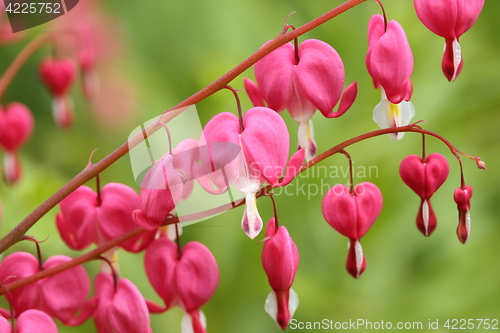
22,57
94,254
238,105
16,234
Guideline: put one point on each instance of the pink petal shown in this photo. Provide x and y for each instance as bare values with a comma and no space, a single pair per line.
347,100
253,92
57,74
266,143
352,215
293,167
77,220
65,293
369,205
16,126
280,259
274,76
128,312
4,325
462,198
196,276
17,266
339,210
35,321
390,62
320,74
440,17
436,172
114,216
217,154
468,12
412,172
160,262
426,218
161,190
104,290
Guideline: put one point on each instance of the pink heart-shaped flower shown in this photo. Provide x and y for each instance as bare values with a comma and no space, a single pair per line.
352,215
57,74
16,126
424,178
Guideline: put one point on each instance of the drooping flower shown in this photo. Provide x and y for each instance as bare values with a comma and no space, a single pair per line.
389,61
167,182
312,81
62,296
58,75
16,127
424,177
121,308
280,259
462,196
30,321
186,278
87,217
449,19
263,157
352,213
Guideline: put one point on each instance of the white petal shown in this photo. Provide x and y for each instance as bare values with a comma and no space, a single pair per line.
387,115
457,58
358,249
293,302
271,305
425,216
251,223
306,139
187,322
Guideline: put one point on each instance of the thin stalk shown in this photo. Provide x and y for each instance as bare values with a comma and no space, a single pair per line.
21,58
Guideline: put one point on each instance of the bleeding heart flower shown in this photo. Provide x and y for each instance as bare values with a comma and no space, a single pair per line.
160,260
58,75
30,321
389,61
187,279
61,296
424,177
122,308
462,197
352,213
87,218
303,83
449,19
16,127
280,259
263,157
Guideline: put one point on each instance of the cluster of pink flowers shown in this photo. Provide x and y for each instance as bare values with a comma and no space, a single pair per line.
249,152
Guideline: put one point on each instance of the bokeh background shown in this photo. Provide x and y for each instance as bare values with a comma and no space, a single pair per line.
164,51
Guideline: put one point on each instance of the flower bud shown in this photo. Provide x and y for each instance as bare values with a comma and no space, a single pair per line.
462,197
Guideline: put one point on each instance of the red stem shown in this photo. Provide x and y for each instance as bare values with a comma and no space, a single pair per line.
17,233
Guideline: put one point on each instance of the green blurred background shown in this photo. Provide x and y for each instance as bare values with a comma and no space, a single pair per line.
171,49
